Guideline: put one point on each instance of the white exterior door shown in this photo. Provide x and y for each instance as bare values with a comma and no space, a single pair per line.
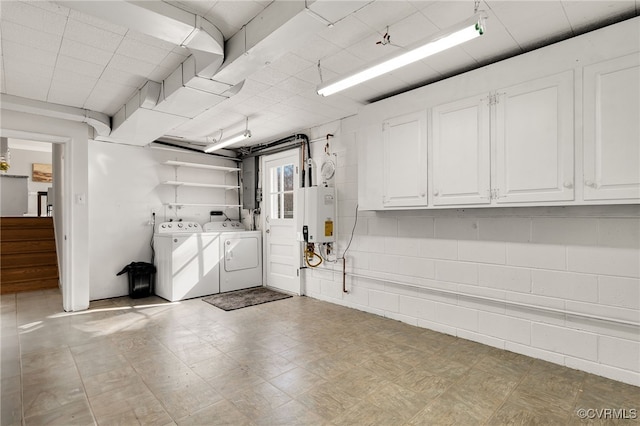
461,152
282,250
534,141
612,130
405,161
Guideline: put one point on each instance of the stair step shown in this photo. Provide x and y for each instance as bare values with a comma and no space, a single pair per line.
11,275
26,222
27,234
13,247
31,285
28,259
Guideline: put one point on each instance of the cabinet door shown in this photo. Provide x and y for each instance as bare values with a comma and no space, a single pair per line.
612,130
461,152
405,161
534,154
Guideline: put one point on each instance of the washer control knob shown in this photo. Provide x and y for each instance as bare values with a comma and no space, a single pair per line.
169,225
180,225
224,224
163,226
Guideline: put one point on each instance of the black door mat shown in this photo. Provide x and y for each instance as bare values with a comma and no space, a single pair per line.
242,298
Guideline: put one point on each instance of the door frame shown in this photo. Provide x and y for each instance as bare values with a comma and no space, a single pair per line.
65,237
263,212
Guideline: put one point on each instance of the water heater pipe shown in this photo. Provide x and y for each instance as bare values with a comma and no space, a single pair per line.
310,162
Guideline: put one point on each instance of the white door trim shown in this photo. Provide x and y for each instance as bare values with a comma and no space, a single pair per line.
265,179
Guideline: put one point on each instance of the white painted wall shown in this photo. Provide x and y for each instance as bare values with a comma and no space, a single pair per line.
21,164
72,225
124,188
584,259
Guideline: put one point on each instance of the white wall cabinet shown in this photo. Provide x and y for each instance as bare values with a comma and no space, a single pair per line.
404,141
557,126
514,145
534,143
612,129
461,153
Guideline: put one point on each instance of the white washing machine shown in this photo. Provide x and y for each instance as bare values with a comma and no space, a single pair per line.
241,251
187,261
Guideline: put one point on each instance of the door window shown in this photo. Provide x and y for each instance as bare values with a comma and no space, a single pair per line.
281,191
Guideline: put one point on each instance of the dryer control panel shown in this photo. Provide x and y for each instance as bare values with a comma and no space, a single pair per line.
226,226
179,227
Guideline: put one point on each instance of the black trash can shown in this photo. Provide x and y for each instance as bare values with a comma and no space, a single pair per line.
141,279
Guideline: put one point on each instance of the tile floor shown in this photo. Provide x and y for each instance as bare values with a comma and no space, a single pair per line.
295,361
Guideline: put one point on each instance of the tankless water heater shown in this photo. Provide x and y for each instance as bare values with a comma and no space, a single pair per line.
316,221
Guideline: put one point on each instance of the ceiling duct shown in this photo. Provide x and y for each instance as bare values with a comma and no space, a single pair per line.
188,90
99,121
213,72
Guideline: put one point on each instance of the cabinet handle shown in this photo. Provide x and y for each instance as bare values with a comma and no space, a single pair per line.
422,194
590,183
436,193
568,184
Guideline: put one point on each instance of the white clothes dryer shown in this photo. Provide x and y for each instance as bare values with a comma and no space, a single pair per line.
187,261
241,251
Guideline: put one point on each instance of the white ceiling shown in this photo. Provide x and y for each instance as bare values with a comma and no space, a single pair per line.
55,54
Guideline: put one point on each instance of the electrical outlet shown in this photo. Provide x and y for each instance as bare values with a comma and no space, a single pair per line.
152,217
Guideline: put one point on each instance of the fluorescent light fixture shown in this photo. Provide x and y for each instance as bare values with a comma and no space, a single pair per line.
238,137
458,34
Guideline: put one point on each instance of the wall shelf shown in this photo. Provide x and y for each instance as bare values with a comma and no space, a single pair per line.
200,185
193,178
201,166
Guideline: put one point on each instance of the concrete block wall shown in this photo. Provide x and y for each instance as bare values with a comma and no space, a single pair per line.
473,273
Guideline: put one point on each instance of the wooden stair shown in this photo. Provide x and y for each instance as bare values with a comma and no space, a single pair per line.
28,259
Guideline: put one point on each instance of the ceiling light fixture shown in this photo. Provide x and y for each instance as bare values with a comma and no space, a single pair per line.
238,137
233,139
443,40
